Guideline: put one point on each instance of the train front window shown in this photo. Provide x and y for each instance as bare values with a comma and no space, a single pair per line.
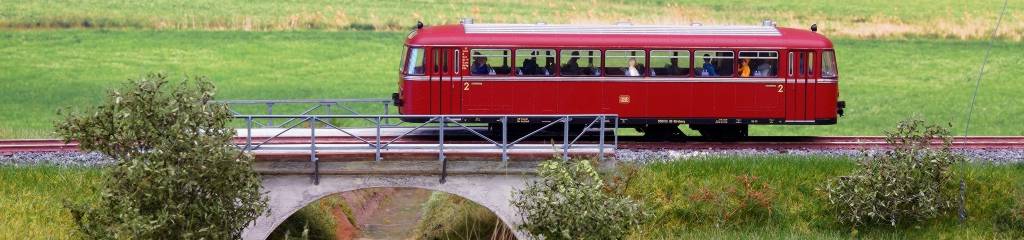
759,63
535,62
490,62
828,64
581,62
714,63
414,62
671,63
627,63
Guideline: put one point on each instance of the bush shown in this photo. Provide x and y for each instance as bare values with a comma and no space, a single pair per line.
909,183
750,199
177,174
569,202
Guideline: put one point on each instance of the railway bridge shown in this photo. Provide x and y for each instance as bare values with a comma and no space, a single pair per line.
289,186
305,157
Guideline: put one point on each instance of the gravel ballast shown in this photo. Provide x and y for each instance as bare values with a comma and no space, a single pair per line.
999,156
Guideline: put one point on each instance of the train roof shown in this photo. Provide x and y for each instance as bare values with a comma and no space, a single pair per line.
615,36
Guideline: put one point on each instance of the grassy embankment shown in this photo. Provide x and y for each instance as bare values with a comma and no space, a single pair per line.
32,202
881,80
692,199
797,210
865,18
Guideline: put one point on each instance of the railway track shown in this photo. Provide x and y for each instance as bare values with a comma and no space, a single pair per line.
8,147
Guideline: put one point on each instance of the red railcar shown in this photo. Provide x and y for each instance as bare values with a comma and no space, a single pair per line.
716,79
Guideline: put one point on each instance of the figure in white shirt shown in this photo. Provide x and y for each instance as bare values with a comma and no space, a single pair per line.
632,71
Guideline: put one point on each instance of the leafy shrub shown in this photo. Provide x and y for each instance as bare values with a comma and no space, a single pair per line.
568,201
911,182
177,174
748,200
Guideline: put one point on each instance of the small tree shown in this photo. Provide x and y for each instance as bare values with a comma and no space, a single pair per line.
910,182
568,202
177,175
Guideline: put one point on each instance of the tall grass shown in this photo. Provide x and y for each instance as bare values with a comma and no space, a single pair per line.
798,210
862,19
446,216
32,200
882,81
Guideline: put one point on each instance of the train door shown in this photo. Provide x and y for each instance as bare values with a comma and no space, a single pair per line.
445,79
800,86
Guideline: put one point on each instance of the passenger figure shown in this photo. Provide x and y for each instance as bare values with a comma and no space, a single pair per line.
672,68
709,69
480,66
530,66
549,66
764,69
744,70
632,71
572,67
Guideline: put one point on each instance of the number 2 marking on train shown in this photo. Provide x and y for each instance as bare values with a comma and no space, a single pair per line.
465,86
780,87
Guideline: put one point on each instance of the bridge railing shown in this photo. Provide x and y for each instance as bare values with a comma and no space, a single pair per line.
599,124
306,107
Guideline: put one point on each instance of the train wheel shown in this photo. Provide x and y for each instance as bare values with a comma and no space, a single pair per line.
661,132
723,131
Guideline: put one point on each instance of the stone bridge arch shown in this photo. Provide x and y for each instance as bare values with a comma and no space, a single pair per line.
289,193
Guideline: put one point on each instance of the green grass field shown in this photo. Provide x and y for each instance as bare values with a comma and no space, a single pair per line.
864,18
882,81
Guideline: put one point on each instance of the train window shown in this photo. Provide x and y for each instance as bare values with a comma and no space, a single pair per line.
714,63
806,65
671,63
402,61
628,63
581,62
414,62
535,62
490,62
791,56
758,63
828,64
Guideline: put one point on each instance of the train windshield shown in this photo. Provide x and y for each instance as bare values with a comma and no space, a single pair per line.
828,64
414,63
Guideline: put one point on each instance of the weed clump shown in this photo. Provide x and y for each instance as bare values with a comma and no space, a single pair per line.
911,182
748,200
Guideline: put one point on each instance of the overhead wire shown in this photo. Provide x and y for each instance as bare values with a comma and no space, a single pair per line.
981,72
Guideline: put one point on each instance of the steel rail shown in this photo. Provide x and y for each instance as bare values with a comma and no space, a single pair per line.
11,146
